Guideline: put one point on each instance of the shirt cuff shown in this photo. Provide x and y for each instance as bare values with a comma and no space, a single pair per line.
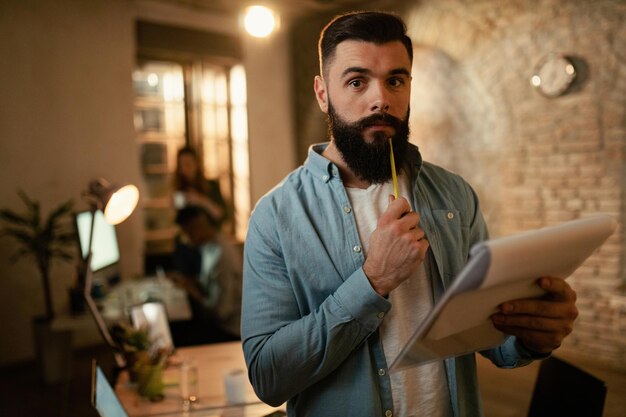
527,353
357,296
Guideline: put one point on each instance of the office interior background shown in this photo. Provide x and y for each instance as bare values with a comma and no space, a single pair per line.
71,110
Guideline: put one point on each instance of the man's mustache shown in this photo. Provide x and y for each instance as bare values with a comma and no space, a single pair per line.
377,119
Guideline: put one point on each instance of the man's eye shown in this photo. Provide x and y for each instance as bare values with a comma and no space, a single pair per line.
396,82
355,83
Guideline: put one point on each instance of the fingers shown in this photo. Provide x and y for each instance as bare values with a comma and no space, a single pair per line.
397,208
540,323
559,301
541,308
536,333
400,210
558,288
533,323
538,341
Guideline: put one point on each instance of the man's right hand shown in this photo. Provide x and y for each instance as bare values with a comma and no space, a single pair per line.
397,247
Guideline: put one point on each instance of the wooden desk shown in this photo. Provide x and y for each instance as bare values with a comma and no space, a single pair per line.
214,362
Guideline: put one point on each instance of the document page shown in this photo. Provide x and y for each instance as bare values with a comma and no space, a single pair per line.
500,270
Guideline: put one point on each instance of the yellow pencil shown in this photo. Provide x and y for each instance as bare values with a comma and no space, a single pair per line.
393,170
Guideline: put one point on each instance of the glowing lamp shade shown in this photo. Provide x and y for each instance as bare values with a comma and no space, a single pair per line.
117,202
259,21
121,204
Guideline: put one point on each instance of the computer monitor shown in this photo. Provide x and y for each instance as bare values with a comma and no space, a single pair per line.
105,251
103,397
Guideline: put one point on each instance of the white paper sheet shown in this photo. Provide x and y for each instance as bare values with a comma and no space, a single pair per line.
500,270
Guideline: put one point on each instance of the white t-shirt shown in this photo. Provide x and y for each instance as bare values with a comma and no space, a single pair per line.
420,391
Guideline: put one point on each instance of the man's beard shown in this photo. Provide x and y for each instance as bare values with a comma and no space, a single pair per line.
369,161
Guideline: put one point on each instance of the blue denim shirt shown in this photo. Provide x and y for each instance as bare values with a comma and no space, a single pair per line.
310,317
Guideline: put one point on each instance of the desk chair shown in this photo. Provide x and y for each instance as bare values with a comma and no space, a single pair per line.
562,389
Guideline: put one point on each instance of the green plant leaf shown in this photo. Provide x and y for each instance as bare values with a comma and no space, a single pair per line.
10,216
32,207
20,254
58,213
24,236
25,198
66,238
62,255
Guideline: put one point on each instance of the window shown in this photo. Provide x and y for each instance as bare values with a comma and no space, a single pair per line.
188,94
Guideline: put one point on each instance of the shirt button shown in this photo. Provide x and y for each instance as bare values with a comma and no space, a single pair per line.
325,177
347,209
381,372
450,215
357,249
388,413
381,314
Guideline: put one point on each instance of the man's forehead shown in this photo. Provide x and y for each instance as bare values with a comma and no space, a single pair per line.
367,55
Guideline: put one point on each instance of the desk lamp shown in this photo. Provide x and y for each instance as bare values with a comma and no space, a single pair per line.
117,202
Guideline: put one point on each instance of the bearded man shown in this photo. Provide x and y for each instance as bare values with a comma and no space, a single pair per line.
338,273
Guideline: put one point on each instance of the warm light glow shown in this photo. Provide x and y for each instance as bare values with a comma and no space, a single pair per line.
153,79
241,163
259,21
173,86
238,85
121,204
535,80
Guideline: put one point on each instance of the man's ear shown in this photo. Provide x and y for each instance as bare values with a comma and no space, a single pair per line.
321,93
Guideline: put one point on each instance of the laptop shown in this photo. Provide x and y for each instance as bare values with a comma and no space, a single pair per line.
103,397
153,316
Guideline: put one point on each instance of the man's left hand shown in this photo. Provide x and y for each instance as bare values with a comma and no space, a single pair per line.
540,324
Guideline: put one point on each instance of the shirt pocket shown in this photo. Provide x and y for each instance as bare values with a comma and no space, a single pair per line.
454,235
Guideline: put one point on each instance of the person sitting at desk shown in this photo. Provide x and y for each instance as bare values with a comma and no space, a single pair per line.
209,269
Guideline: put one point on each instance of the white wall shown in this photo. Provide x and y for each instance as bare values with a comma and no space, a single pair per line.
66,118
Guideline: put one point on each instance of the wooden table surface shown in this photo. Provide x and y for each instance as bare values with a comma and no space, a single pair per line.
214,362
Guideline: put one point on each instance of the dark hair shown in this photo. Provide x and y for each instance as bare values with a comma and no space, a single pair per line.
376,27
198,183
185,215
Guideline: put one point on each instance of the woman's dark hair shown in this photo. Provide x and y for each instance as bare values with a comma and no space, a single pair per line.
198,182
376,27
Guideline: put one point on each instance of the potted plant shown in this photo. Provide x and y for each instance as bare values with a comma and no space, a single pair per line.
145,360
45,240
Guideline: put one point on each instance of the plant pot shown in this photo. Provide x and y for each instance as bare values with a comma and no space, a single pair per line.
150,381
53,349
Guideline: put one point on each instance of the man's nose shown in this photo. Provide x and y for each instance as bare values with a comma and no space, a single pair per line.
380,98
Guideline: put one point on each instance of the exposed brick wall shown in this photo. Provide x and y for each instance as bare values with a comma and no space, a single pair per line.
534,161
